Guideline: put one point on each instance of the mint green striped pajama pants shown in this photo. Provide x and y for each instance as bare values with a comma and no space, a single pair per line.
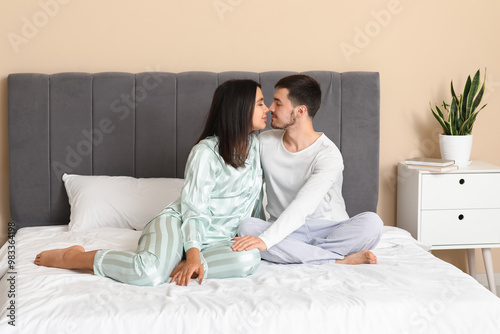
159,251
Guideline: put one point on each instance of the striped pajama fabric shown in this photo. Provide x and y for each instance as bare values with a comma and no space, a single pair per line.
159,251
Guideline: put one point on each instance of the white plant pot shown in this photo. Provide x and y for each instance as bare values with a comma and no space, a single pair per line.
456,148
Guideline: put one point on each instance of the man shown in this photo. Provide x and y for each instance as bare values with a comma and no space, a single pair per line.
303,173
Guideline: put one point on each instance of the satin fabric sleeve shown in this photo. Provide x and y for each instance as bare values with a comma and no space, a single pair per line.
258,210
200,181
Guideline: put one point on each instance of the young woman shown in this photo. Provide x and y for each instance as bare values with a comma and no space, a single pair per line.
223,182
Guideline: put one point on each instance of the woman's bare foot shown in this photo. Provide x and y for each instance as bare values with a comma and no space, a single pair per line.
361,257
66,258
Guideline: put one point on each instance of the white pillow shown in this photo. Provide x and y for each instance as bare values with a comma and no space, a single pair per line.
117,201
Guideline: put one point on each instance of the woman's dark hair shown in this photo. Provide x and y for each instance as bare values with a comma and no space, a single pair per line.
230,119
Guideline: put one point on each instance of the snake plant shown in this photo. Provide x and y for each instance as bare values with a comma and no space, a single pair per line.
463,110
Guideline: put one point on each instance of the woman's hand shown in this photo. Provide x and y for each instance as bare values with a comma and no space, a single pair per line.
247,243
190,268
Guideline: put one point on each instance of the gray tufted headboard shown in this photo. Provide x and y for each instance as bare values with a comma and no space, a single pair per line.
145,124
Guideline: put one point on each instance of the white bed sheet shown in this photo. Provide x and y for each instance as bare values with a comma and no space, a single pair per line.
409,291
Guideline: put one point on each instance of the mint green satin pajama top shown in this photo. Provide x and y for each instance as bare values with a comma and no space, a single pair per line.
216,197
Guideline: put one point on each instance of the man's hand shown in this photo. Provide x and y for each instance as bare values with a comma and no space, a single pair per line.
247,243
190,268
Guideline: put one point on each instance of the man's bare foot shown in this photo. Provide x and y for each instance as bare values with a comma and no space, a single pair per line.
361,257
60,258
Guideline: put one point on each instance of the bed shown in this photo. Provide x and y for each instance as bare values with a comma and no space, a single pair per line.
141,127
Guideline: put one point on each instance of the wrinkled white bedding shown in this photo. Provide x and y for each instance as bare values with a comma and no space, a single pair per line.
409,291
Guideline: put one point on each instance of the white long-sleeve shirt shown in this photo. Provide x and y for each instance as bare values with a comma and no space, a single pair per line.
300,186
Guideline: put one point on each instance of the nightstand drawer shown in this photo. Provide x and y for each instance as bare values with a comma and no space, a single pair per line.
452,191
450,227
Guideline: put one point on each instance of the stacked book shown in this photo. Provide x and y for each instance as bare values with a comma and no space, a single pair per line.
431,165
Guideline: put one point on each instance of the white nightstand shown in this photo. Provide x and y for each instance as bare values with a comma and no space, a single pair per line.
453,210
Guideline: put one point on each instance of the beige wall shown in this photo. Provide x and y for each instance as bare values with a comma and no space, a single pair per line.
417,46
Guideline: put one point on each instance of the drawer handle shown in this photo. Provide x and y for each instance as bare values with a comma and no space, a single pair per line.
462,181
460,217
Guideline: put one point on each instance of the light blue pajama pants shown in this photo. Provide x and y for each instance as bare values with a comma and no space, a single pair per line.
320,241
160,250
